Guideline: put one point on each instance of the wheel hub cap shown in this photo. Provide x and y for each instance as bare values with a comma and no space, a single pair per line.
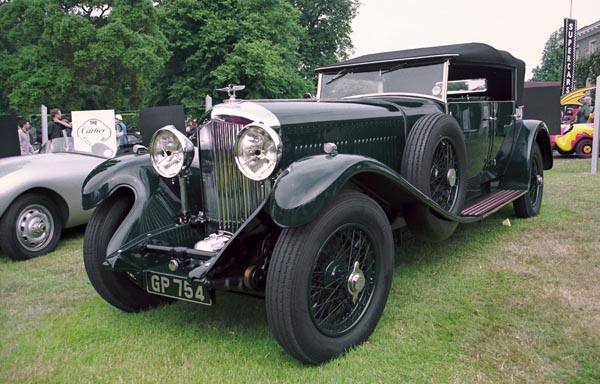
451,176
33,228
38,228
540,180
356,282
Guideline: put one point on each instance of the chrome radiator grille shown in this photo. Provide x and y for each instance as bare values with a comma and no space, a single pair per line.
229,197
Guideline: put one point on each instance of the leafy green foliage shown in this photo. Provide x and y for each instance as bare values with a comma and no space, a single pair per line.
327,28
552,59
217,43
78,55
122,54
588,68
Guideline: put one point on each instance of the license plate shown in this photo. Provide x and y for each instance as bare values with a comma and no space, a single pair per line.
177,287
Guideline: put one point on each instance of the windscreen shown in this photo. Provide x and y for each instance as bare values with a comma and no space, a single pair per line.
391,78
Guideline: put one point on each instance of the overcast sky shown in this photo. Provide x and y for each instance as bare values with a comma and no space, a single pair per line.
520,27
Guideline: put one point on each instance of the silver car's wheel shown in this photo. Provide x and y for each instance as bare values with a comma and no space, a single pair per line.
30,227
34,227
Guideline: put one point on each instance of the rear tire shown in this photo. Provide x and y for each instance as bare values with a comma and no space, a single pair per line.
328,281
117,288
530,204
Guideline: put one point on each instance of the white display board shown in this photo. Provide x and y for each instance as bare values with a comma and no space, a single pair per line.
94,131
596,138
44,127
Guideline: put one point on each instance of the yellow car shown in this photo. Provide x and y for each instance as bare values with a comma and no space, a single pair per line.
574,139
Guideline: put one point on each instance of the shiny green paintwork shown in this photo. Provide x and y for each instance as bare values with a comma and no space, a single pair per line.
311,184
370,150
370,136
157,202
515,154
374,128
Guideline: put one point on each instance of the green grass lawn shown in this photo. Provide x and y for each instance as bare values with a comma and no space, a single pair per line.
492,304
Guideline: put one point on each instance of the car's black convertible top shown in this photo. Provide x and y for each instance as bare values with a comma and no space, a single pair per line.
466,54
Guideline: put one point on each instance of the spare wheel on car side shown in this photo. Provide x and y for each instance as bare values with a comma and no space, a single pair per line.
435,162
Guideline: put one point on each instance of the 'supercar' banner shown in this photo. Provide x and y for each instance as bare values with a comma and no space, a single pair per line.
568,75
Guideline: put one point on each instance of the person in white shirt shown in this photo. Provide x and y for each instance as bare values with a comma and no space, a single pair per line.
23,127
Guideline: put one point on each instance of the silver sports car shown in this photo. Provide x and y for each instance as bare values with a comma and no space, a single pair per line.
40,195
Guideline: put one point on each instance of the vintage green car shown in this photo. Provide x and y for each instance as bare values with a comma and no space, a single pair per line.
295,200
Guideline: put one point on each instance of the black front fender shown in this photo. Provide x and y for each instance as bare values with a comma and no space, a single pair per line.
133,172
307,186
156,206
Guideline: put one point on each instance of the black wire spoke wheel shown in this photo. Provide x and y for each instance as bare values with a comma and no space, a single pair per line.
329,279
443,179
535,183
530,204
435,162
343,280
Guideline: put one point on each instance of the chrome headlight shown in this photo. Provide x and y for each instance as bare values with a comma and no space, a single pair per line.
171,152
257,151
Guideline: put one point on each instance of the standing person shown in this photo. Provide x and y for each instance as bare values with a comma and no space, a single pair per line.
23,127
32,133
57,125
121,130
585,110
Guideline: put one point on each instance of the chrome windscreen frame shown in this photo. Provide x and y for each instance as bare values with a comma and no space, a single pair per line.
442,97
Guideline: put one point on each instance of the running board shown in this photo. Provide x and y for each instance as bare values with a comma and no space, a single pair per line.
492,202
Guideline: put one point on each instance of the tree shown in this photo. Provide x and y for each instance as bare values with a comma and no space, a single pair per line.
78,54
327,29
96,54
552,59
588,68
214,43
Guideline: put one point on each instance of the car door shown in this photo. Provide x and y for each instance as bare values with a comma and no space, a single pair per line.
476,121
503,117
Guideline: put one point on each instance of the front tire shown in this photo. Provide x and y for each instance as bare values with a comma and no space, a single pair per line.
30,227
117,288
328,281
530,204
